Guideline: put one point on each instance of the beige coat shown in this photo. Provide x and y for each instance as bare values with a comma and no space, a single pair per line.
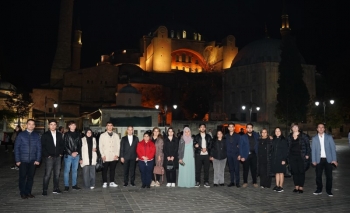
85,152
109,146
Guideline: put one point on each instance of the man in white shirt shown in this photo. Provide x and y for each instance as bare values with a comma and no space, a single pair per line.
323,157
128,155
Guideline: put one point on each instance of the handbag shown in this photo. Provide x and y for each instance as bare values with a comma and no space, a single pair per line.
158,170
170,165
99,164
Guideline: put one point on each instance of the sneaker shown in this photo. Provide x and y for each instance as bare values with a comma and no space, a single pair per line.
16,168
157,184
153,183
275,188
197,185
245,185
168,184
317,192
92,187
206,185
173,185
330,194
132,184
262,187
57,191
76,187
44,193
279,189
231,184
112,184
255,185
13,167
66,189
104,185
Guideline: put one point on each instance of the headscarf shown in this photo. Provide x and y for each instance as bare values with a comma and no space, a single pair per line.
187,139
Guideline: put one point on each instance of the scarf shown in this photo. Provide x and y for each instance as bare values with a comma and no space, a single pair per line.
187,139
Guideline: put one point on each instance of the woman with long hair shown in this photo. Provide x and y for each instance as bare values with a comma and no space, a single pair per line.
145,152
279,153
158,159
264,149
186,160
218,155
299,156
89,158
171,146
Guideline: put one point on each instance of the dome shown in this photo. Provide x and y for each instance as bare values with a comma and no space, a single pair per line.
129,89
259,51
4,85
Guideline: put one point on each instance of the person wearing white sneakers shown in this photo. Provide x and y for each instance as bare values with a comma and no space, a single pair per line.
88,161
109,146
170,163
158,159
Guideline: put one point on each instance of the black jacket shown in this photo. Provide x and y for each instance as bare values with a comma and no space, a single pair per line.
305,149
198,140
171,148
126,151
48,147
72,143
218,149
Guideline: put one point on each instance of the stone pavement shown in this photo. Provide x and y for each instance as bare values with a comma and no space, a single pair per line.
163,199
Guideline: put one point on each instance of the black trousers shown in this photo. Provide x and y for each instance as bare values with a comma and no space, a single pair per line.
52,164
201,160
265,178
324,165
233,165
297,168
26,177
111,165
129,168
170,175
250,163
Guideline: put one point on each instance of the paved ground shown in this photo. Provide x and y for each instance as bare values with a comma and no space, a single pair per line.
163,199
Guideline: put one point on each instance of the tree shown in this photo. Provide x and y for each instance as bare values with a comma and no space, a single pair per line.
19,105
292,94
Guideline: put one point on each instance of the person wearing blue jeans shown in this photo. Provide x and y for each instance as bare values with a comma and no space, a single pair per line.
72,150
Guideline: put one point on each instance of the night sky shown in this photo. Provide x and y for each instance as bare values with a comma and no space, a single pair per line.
29,29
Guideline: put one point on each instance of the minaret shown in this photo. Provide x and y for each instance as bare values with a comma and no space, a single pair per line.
285,30
62,60
76,47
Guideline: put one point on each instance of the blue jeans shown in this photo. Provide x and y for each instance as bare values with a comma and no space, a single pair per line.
68,162
146,172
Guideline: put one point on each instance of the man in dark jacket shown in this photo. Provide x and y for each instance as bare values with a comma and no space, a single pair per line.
27,155
202,145
52,151
248,149
232,147
72,155
128,155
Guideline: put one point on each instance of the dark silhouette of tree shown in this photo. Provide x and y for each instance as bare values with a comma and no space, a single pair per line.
19,105
292,94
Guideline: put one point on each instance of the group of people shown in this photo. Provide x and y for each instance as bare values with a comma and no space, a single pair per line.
157,155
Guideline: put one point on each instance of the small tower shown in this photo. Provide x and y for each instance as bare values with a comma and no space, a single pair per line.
76,47
285,30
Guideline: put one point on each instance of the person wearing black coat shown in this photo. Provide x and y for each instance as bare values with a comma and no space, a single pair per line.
264,149
279,152
170,150
299,156
128,155
218,155
52,152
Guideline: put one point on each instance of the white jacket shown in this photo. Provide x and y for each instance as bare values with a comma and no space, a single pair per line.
85,152
109,146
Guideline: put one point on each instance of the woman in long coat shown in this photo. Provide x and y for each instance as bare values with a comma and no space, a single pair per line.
264,149
186,160
158,158
170,150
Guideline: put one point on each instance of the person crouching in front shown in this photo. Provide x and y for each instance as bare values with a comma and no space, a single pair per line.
145,151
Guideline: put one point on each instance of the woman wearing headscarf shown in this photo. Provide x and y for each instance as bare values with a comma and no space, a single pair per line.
279,151
298,156
145,152
88,161
186,159
171,146
264,148
158,160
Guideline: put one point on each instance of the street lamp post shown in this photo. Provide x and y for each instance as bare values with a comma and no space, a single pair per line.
165,109
55,105
324,108
250,105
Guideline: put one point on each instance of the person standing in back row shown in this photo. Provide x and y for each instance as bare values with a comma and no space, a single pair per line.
109,146
202,146
128,155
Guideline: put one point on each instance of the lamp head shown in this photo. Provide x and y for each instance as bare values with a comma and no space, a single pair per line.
331,101
243,107
317,103
157,106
